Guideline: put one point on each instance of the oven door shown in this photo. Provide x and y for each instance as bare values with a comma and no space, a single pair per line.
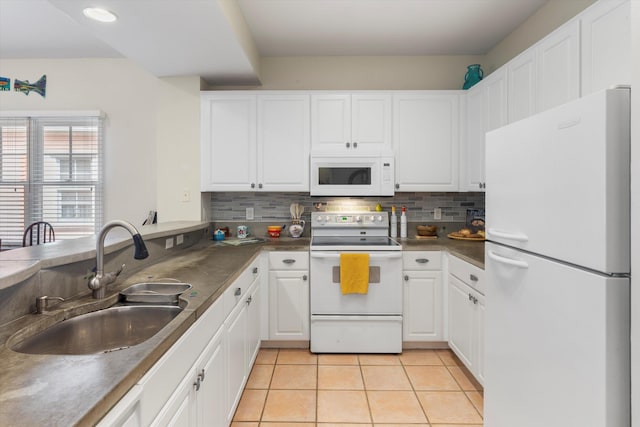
384,296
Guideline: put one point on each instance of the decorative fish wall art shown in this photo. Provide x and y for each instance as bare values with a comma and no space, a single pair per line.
5,83
39,87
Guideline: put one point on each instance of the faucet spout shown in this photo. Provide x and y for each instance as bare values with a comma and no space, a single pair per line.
99,283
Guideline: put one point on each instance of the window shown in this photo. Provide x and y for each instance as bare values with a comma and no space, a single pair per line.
50,170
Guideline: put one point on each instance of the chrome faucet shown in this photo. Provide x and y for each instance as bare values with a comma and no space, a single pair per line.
99,283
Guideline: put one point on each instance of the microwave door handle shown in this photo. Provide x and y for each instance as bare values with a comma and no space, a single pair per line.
386,255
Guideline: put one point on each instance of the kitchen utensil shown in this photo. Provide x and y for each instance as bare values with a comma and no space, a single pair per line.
292,209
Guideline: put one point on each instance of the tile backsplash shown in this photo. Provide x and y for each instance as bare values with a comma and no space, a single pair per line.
231,206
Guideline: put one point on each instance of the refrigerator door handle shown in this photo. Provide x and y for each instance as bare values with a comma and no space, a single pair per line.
508,261
518,237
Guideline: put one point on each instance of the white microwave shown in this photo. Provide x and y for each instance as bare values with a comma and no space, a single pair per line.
341,174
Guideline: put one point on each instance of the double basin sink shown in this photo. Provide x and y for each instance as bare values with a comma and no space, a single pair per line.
143,310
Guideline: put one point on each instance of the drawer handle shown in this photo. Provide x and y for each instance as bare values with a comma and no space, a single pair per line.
238,292
288,261
422,260
473,277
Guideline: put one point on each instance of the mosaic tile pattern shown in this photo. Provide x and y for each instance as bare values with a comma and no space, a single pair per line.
231,206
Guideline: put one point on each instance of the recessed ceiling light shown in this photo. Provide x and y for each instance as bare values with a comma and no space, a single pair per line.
99,14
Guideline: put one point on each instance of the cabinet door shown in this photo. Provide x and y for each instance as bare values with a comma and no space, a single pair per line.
472,165
289,305
236,329
284,135
460,320
606,45
479,310
211,397
495,87
371,121
253,323
522,85
126,413
422,310
558,59
228,145
426,139
180,409
331,121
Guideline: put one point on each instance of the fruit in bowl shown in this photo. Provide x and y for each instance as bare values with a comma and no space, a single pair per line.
274,230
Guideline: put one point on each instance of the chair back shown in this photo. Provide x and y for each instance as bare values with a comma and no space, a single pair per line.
37,233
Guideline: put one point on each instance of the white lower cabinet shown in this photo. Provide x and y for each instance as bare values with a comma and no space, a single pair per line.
422,318
199,380
466,315
289,296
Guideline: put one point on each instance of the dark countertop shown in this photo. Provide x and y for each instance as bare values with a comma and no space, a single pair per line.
80,390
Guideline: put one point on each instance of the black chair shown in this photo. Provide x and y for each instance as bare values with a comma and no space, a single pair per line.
40,231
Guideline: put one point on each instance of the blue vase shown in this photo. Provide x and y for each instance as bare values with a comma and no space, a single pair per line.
474,75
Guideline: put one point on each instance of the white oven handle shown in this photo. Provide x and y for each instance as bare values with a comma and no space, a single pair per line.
386,255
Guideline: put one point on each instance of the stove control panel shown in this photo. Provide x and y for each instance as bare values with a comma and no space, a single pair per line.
350,220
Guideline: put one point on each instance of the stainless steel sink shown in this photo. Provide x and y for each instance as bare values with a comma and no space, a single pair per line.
102,331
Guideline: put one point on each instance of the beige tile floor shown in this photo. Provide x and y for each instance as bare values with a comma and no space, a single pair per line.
295,388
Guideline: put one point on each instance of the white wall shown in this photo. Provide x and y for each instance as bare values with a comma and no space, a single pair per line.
123,91
178,148
150,122
365,72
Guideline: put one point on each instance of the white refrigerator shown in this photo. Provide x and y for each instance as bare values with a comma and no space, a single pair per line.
557,261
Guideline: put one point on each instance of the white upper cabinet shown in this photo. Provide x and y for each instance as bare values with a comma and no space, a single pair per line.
486,109
228,142
255,142
426,140
558,71
606,45
351,121
283,142
522,86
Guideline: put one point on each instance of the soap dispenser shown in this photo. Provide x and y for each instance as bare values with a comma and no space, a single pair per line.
403,223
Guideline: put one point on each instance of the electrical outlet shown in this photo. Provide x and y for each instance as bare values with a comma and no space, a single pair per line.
179,239
437,213
249,214
168,244
186,195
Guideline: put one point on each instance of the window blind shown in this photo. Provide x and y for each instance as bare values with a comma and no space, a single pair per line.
52,170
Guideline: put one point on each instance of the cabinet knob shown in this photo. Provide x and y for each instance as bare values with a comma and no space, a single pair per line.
470,297
249,300
479,185
255,270
196,385
253,185
406,278
397,186
355,145
201,375
304,277
260,185
288,261
422,260
473,277
238,292
348,144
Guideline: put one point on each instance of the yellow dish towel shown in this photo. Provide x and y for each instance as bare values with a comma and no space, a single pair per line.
354,273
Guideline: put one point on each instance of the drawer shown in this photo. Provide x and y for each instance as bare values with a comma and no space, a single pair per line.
289,260
422,260
238,289
468,273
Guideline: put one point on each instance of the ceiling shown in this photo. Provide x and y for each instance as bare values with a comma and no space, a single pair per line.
203,37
